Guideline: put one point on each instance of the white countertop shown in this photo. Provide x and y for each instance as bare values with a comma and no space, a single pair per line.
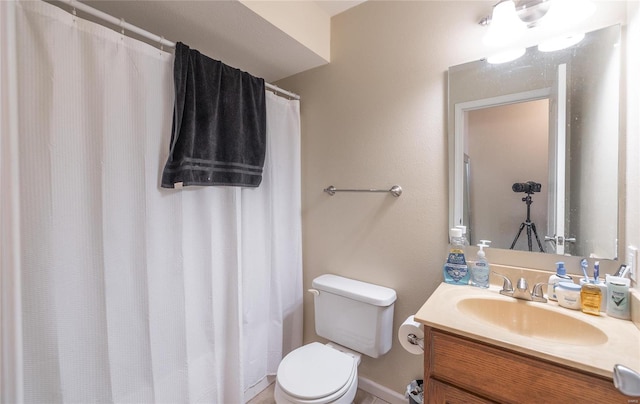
622,344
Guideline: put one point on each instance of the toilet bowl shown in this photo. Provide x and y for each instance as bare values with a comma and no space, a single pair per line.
356,315
317,374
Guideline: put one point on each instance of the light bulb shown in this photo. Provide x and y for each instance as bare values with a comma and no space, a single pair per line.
505,26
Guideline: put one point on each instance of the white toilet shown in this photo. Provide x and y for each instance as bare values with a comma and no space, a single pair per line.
358,316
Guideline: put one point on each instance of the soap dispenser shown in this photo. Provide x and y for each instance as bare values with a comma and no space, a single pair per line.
559,276
456,271
480,269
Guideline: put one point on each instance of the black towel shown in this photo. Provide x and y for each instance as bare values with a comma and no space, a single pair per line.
219,124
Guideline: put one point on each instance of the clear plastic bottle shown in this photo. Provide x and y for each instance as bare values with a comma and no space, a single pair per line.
480,269
456,271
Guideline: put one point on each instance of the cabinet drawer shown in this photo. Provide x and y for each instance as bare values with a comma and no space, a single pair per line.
441,393
506,376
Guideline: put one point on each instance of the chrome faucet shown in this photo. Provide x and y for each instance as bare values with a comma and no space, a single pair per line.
522,290
627,381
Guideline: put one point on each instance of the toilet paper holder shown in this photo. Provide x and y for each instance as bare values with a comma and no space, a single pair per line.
414,340
411,336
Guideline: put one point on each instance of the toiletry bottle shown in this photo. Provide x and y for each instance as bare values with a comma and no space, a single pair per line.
603,291
455,269
480,269
618,297
559,276
465,242
465,238
591,299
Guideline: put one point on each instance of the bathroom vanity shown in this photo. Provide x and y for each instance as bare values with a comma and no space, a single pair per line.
522,352
464,370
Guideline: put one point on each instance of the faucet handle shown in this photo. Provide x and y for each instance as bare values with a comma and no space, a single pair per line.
626,380
506,285
537,294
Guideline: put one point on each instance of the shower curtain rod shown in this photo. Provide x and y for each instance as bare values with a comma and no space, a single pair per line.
120,22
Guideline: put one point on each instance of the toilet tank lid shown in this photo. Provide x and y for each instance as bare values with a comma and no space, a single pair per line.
356,290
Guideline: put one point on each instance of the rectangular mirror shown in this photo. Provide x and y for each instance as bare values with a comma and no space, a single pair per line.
534,149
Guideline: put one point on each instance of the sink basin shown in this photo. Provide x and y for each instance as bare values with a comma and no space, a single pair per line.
594,344
532,320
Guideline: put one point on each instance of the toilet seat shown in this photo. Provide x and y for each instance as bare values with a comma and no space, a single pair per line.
316,374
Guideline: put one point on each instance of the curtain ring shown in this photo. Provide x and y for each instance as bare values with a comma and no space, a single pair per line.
122,26
162,43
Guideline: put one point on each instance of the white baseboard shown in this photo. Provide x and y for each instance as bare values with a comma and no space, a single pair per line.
257,388
384,393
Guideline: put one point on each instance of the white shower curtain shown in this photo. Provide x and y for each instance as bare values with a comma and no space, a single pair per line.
113,289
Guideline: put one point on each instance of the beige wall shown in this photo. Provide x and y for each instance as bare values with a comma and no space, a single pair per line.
375,117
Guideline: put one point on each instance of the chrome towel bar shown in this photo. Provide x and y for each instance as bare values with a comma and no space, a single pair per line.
395,190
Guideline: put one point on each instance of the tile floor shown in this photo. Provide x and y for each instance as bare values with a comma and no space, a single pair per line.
362,397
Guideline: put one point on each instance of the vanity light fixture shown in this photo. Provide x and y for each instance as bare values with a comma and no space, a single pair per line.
505,26
551,14
510,19
566,13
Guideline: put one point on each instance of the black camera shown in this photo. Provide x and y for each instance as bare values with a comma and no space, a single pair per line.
528,187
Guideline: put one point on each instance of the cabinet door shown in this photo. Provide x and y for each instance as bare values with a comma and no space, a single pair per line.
441,393
510,377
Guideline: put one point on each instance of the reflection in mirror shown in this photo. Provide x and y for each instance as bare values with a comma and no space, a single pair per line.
490,133
534,149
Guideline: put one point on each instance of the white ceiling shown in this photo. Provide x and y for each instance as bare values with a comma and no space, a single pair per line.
225,30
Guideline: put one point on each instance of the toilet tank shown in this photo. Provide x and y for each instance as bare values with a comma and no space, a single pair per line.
355,314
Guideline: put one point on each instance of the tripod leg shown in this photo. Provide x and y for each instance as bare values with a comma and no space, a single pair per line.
517,235
533,225
529,243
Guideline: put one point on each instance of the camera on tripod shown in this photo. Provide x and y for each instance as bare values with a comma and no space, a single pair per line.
528,187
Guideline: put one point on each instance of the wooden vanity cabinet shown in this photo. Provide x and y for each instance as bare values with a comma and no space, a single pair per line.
463,370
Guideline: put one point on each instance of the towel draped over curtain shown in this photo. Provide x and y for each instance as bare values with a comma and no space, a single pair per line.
219,124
